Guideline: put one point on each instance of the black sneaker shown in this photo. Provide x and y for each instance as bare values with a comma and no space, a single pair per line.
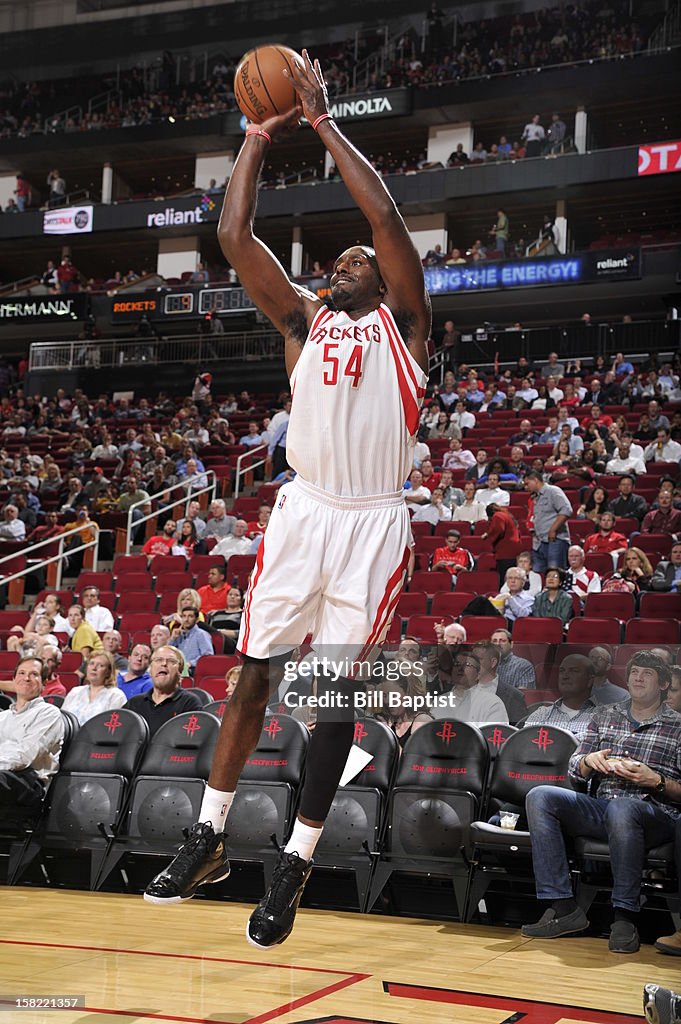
661,1005
202,859
272,920
550,926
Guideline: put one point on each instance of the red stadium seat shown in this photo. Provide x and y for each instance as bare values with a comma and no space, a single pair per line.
476,545
651,542
580,529
161,564
421,530
70,661
431,582
138,581
214,685
69,679
239,564
214,665
101,580
428,545
414,602
132,621
202,563
616,606
476,582
600,563
660,606
129,563
481,627
538,631
136,601
534,697
422,627
449,604
8,660
651,631
173,582
594,631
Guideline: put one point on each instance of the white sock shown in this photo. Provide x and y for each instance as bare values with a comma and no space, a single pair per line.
303,840
215,808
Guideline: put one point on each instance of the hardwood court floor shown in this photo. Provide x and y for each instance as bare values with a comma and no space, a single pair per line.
139,964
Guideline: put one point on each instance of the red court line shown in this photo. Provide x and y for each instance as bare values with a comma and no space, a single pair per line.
136,1014
304,1000
182,956
538,1012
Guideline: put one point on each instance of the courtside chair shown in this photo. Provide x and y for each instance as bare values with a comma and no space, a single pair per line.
87,797
356,822
437,794
533,756
167,793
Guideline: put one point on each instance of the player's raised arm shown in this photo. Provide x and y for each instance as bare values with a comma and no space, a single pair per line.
289,307
398,260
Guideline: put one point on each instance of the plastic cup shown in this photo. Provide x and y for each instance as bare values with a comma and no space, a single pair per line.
509,820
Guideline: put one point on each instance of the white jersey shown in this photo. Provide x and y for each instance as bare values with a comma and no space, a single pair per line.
356,399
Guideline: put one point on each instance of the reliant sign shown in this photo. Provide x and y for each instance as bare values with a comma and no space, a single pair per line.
170,216
660,158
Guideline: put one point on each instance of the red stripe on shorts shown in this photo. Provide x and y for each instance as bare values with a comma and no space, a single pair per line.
249,597
386,606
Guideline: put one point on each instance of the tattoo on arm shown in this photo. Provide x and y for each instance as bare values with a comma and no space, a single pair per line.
296,326
405,324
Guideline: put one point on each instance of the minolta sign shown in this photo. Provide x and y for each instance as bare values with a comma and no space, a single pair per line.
392,103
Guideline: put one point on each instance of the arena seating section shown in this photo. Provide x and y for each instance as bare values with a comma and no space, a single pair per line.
424,813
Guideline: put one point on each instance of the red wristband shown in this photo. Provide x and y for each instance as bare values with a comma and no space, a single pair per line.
322,117
252,130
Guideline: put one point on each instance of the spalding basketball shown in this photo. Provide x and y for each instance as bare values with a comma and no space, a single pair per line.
260,87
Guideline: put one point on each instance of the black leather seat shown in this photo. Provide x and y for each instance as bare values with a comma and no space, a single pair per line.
438,792
267,794
167,793
533,756
659,859
99,760
357,819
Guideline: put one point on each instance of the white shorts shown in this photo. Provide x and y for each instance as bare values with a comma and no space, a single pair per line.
327,566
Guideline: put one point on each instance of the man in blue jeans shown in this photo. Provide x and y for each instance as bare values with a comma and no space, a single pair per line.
551,513
631,752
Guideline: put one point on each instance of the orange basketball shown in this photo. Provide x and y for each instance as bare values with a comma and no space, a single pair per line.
260,87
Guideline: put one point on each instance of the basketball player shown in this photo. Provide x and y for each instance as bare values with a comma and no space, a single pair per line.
333,559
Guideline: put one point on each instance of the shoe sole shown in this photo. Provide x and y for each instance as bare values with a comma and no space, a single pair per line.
170,901
669,950
625,949
258,945
573,931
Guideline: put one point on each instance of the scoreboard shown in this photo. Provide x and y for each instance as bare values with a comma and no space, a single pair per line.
190,304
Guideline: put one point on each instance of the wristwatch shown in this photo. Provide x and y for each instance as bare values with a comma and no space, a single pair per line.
660,788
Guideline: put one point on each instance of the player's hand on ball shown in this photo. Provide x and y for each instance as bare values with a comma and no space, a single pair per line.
308,81
282,124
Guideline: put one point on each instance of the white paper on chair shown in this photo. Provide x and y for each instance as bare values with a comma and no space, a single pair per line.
357,760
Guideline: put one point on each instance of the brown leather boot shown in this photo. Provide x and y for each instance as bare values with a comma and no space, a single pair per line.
670,944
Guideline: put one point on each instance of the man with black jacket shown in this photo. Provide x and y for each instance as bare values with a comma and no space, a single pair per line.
627,504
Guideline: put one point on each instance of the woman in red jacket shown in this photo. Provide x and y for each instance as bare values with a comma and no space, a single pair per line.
504,535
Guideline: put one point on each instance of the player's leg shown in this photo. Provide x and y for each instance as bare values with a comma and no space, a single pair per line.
280,606
272,920
366,561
